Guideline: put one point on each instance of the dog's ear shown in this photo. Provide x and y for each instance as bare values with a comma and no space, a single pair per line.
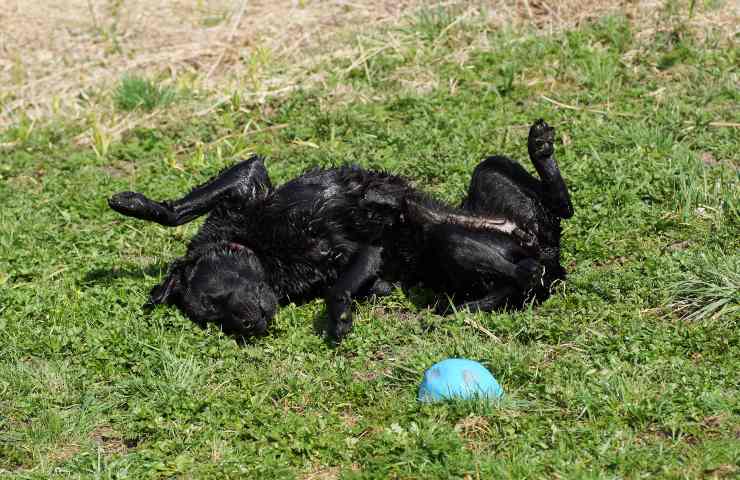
167,292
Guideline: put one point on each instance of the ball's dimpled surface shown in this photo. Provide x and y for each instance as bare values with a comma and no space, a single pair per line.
458,378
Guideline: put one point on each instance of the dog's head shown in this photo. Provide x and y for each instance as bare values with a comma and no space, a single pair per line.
224,284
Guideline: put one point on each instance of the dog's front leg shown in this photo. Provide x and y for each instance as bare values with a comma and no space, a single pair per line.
241,182
363,270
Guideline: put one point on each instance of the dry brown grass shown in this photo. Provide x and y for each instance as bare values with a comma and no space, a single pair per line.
323,473
327,473
56,53
474,430
59,57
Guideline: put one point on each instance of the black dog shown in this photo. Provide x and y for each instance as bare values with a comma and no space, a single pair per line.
347,233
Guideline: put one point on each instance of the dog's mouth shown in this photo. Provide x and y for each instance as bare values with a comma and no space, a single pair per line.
233,248
236,247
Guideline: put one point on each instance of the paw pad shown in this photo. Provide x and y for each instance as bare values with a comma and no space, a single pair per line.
541,140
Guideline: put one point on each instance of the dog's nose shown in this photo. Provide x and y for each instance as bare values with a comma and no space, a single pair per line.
259,328
254,326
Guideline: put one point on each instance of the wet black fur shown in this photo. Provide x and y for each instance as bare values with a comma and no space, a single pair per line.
345,233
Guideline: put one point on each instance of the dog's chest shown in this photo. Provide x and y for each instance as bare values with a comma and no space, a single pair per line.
302,250
312,238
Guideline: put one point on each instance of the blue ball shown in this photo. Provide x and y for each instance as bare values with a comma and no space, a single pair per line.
458,378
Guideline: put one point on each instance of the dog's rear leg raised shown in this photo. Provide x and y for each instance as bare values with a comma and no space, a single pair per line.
243,181
542,152
417,212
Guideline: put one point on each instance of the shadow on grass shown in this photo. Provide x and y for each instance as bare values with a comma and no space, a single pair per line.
111,274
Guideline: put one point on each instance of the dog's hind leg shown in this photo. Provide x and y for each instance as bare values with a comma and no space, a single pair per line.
242,182
417,212
502,187
542,153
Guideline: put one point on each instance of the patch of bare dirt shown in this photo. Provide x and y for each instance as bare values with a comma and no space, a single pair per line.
656,434
62,453
349,418
325,473
473,430
714,421
118,169
722,471
109,441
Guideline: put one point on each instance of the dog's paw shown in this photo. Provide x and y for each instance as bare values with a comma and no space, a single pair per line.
381,288
129,203
541,142
339,330
339,311
525,239
134,204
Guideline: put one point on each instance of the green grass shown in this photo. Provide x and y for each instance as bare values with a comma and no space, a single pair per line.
710,290
604,380
134,92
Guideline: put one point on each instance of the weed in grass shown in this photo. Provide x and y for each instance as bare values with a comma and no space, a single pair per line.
101,139
23,130
705,191
709,289
135,92
109,32
258,60
214,19
434,21
615,32
18,71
